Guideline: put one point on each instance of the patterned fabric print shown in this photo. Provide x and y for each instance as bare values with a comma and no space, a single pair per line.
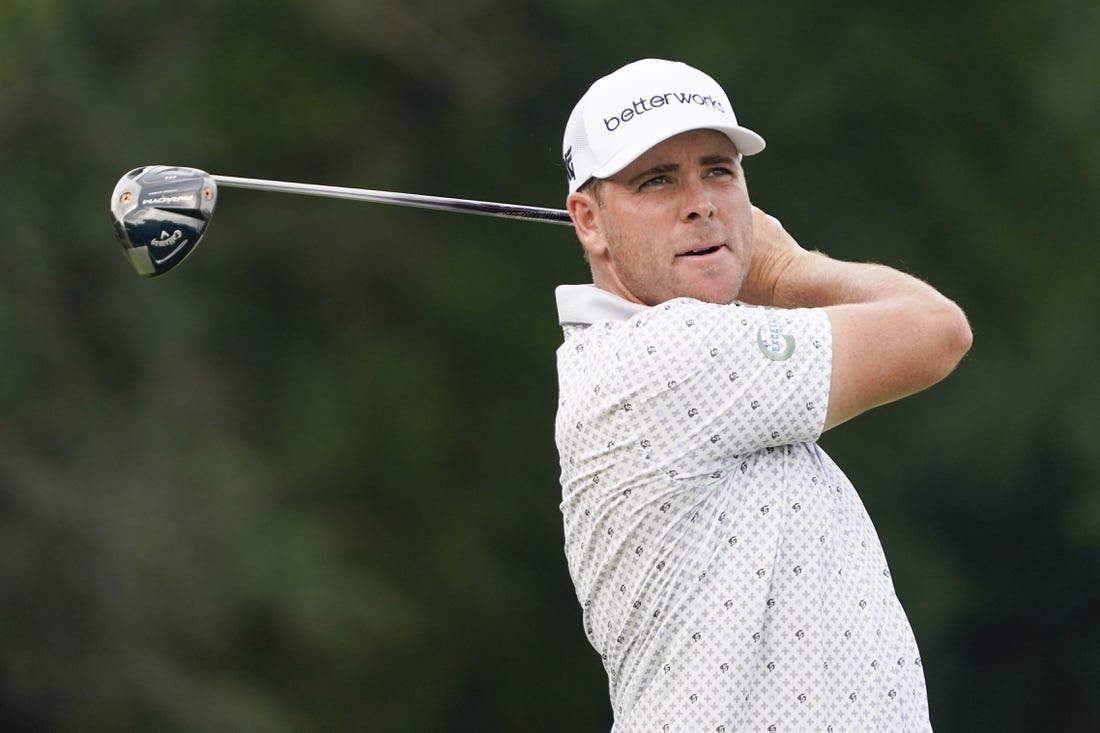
729,575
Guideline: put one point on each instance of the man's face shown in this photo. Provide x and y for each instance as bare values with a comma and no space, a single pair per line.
676,222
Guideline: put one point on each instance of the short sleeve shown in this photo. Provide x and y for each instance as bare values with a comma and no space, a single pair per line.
716,382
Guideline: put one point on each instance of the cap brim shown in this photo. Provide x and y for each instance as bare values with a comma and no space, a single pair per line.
745,140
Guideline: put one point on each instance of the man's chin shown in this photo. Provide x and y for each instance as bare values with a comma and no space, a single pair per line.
717,293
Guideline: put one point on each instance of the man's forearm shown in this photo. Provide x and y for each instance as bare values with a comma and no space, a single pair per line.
813,280
784,275
916,335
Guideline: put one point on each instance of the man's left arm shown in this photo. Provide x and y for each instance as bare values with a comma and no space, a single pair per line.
893,334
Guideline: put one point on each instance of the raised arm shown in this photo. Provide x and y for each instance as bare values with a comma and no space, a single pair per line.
893,335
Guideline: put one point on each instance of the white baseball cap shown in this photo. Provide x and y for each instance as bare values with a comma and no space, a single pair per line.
627,112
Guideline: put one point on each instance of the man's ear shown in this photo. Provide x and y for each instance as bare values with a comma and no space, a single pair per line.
584,210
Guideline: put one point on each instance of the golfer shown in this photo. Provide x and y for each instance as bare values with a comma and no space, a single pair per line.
729,576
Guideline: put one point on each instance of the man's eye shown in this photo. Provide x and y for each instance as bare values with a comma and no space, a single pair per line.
719,171
655,181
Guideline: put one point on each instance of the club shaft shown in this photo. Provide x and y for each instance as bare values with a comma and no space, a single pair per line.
486,208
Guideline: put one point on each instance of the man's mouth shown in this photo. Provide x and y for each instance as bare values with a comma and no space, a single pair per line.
701,252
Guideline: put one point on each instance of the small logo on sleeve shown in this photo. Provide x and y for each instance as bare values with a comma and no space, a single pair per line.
773,343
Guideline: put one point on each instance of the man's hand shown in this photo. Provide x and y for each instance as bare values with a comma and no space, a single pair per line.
774,252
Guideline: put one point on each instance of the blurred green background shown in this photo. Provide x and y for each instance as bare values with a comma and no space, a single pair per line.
307,481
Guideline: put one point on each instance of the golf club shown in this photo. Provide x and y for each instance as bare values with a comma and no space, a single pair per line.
160,212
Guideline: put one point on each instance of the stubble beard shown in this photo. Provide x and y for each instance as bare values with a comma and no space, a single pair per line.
635,274
632,274
635,278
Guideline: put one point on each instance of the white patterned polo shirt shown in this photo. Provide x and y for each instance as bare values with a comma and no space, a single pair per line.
728,573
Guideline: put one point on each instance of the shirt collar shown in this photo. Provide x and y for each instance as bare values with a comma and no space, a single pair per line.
586,304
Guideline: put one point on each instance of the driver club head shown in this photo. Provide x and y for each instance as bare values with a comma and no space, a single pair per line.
160,213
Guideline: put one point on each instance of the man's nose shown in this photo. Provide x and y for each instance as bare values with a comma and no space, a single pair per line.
698,203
